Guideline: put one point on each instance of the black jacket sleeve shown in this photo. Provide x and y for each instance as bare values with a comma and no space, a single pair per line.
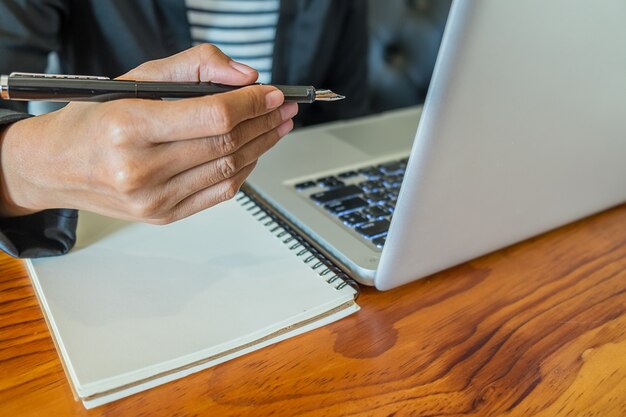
47,233
29,31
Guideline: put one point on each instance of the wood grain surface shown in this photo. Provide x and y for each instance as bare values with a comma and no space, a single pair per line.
537,329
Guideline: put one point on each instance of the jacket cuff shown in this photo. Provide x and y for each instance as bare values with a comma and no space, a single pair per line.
10,116
47,233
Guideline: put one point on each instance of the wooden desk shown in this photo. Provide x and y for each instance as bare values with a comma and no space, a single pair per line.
535,329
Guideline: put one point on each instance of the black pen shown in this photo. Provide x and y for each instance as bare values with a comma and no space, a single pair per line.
50,87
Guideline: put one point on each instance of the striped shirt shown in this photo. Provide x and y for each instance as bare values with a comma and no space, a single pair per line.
243,29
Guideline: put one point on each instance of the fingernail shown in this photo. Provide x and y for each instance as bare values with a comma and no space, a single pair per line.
242,68
288,110
285,128
274,99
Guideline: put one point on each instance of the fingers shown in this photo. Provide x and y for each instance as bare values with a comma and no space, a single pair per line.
201,63
213,172
208,197
164,192
174,157
218,114
131,176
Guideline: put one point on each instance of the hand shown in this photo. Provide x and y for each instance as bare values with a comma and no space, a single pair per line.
146,160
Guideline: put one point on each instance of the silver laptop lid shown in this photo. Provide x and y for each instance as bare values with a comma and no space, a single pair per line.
523,130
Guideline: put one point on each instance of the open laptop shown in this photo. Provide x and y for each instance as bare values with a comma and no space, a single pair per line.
523,130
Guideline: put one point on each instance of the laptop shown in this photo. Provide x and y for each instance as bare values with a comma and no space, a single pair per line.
523,130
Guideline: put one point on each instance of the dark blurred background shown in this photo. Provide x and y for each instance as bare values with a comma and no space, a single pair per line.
404,40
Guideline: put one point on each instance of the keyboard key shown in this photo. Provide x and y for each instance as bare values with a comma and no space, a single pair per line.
371,186
324,179
349,174
395,167
370,172
331,183
374,228
336,194
380,241
349,204
375,197
392,181
304,185
353,219
375,212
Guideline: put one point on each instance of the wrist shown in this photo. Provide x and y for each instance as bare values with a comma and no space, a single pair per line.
15,190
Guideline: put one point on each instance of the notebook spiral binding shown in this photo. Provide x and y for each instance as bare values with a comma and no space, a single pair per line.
309,254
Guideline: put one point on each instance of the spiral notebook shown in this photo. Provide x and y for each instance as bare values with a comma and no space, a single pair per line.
136,305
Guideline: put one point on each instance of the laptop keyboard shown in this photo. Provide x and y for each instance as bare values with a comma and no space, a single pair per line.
362,200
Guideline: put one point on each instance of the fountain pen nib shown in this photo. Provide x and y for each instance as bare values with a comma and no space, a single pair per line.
327,95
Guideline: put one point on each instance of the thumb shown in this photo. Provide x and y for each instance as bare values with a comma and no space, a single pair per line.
217,67
204,62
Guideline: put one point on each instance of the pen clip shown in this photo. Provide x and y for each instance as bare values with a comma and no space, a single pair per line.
62,76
